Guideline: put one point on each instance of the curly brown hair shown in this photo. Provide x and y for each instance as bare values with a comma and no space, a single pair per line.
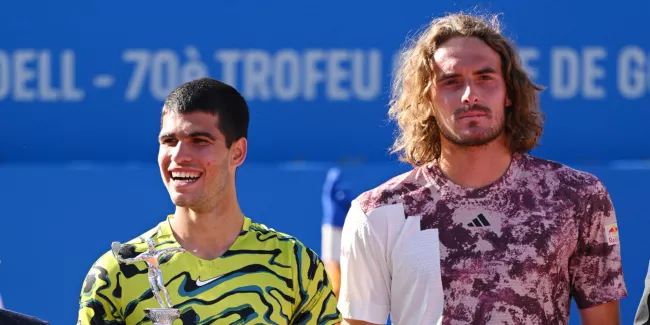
418,137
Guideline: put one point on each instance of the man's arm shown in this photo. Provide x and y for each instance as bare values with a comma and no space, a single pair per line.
97,304
316,302
604,314
356,322
595,267
333,269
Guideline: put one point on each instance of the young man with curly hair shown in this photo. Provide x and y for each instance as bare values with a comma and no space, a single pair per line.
479,231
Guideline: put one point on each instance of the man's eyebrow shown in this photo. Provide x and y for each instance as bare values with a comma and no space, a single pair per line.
486,70
444,76
166,135
191,135
203,134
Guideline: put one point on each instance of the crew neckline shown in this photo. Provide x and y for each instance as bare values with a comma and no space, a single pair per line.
167,233
445,186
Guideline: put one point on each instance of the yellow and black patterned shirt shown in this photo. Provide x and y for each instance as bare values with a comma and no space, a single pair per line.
266,277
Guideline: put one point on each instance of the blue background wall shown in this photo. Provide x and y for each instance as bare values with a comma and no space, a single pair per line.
82,82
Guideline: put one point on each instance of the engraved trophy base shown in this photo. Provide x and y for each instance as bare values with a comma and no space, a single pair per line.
162,316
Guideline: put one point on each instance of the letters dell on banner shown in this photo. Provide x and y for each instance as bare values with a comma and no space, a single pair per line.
38,75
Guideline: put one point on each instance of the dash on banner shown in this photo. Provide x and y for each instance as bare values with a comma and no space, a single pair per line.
103,81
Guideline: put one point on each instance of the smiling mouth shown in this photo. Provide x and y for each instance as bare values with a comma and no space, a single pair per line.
185,177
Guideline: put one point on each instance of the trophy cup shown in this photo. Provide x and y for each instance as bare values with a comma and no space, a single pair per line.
166,314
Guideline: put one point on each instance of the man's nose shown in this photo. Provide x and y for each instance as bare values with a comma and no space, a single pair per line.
181,153
470,96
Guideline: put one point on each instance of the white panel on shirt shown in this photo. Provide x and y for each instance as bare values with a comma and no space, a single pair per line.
389,265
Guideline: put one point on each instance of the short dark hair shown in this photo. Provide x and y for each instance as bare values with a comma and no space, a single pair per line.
213,97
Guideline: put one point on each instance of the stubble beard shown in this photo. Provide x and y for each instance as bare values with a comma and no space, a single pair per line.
211,197
473,138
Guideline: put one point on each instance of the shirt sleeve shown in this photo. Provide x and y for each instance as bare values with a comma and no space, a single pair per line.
98,304
365,276
595,267
643,312
316,302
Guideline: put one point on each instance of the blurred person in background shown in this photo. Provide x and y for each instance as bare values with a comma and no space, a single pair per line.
233,269
479,231
643,312
336,199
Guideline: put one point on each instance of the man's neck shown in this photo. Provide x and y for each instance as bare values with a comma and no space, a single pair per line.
208,234
475,167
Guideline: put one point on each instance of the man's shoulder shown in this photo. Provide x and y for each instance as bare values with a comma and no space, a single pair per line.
106,276
266,235
392,191
286,248
556,174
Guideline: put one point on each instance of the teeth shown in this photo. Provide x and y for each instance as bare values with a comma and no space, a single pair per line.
185,174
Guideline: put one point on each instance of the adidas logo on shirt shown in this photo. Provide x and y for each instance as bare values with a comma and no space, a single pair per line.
479,221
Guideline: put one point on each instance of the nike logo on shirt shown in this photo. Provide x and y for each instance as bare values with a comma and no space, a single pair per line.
200,283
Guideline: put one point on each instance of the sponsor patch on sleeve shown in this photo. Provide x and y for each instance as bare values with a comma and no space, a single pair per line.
611,233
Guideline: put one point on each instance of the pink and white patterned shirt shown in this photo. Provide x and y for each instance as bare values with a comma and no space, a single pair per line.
429,251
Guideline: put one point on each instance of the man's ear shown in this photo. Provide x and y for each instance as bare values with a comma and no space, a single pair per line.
238,151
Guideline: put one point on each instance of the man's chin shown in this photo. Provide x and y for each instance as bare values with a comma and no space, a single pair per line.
473,138
182,200
474,141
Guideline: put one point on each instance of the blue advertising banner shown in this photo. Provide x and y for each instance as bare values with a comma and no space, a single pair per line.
85,80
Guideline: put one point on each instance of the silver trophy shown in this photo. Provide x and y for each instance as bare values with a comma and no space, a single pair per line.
166,314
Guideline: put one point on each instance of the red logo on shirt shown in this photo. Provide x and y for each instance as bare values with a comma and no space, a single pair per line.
611,232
